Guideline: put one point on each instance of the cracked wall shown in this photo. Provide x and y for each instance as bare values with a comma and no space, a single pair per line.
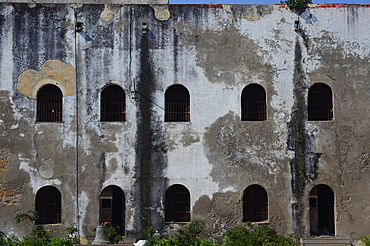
215,51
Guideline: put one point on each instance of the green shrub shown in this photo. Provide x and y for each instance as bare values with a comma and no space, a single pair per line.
190,235
39,236
366,240
206,242
150,236
4,240
257,236
114,236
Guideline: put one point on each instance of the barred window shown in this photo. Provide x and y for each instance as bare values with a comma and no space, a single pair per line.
255,204
320,103
113,104
253,103
177,104
177,204
49,104
49,205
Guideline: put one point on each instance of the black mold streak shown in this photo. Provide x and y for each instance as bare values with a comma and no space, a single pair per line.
298,142
144,133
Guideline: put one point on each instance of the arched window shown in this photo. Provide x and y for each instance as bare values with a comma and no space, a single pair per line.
49,205
49,104
320,103
113,208
322,210
177,104
177,204
255,204
253,103
113,104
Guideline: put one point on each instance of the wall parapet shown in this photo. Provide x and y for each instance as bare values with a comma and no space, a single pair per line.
91,1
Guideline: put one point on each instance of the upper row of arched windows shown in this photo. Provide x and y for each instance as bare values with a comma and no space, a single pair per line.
177,104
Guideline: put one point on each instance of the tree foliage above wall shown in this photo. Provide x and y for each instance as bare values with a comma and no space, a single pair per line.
295,4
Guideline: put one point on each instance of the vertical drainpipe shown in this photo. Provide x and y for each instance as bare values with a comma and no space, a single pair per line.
77,131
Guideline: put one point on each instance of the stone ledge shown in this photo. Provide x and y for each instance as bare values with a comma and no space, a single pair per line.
325,241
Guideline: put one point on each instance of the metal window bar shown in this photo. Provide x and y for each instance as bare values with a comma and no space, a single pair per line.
177,104
320,104
177,204
253,103
113,104
48,205
49,104
255,204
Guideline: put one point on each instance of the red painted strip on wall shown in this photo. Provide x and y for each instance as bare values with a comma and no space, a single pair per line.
321,6
211,6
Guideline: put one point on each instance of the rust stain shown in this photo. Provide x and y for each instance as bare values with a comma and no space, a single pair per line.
53,72
8,196
2,166
83,240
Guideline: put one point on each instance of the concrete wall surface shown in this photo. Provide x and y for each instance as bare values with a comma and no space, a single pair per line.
214,51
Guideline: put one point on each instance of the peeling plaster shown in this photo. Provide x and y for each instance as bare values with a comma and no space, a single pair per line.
36,182
109,12
46,169
52,72
161,12
84,202
250,12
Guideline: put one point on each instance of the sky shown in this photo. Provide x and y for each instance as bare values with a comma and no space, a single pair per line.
262,1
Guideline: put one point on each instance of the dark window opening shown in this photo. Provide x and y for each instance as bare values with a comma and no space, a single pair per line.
49,104
48,205
106,203
113,104
113,208
177,204
177,104
320,103
255,204
322,210
253,103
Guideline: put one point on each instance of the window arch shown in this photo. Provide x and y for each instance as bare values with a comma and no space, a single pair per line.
177,204
113,207
49,104
321,201
49,205
255,204
113,104
177,104
253,103
320,103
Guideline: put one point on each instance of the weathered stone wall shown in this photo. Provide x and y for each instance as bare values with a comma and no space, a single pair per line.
214,51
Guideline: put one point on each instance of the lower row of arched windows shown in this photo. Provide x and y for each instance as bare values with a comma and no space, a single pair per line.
177,206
